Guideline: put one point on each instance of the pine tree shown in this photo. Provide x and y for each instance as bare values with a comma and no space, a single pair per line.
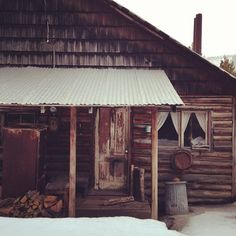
228,65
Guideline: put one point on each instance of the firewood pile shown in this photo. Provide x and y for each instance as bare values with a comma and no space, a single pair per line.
32,204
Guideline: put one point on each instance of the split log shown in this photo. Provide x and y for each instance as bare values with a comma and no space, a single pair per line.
6,202
6,211
32,204
49,201
57,207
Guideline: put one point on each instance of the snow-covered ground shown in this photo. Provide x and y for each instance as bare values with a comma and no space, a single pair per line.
107,226
219,221
204,221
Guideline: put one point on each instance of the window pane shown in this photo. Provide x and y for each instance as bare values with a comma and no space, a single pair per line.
20,118
28,118
194,134
13,118
167,135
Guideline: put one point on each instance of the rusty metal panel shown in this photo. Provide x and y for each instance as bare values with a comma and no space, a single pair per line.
86,87
20,155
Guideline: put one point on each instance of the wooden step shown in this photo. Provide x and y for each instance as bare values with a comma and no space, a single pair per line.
93,206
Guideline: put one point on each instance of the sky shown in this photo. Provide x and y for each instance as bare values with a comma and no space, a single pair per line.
176,17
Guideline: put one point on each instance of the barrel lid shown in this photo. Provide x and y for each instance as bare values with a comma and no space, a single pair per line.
182,160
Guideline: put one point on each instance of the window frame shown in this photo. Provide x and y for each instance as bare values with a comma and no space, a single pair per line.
2,118
208,133
20,118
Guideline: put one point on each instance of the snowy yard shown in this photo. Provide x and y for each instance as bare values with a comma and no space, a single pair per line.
213,221
205,221
107,226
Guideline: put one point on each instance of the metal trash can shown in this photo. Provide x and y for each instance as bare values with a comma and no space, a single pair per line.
176,198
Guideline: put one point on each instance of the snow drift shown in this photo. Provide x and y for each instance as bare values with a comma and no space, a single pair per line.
107,226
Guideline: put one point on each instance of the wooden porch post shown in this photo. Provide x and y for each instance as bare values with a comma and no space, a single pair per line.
154,210
72,170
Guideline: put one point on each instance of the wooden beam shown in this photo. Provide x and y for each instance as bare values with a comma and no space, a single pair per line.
154,210
234,151
72,171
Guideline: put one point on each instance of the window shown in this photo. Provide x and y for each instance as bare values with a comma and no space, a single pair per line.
20,119
194,130
185,129
168,132
1,128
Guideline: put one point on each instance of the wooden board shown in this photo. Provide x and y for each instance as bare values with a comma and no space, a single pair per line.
154,165
234,150
72,170
93,206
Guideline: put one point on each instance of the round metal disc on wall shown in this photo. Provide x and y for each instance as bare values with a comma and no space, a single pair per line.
182,160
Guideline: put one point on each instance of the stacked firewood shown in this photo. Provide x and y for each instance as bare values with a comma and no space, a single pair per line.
33,204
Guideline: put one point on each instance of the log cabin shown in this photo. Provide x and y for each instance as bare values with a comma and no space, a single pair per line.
89,91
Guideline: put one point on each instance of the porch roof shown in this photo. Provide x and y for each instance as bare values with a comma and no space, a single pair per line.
86,87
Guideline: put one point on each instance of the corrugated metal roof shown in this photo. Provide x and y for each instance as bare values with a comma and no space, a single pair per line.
86,87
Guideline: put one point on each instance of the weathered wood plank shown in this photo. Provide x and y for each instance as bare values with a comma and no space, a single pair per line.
209,194
234,151
215,187
72,170
154,208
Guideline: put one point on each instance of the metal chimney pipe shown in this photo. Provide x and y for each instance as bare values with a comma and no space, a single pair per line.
197,34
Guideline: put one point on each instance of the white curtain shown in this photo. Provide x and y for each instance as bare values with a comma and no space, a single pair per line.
175,120
161,118
201,117
185,120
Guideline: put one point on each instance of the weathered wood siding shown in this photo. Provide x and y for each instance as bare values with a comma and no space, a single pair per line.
210,177
141,143
82,33
57,161
89,33
57,146
234,149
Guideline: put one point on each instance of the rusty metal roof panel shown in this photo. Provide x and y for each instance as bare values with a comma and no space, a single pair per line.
86,87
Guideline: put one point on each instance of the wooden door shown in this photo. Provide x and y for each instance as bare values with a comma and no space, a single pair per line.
111,161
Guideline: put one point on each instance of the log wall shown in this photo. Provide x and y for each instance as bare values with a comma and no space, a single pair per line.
58,142
209,180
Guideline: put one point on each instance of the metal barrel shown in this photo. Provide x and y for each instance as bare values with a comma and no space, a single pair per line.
176,202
